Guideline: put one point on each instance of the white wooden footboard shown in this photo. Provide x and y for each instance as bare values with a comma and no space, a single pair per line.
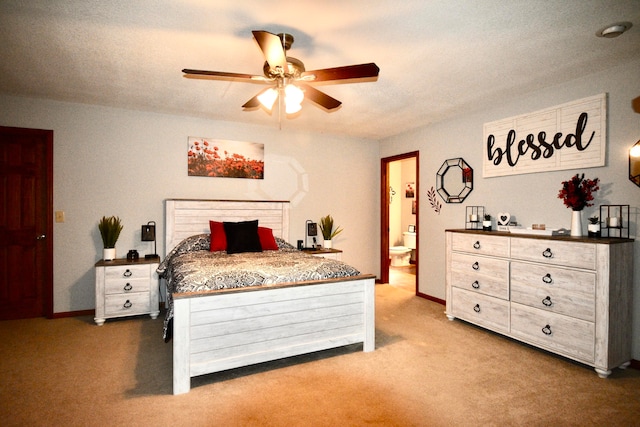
223,330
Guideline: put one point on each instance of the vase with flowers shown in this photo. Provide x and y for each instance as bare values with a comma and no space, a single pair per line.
577,193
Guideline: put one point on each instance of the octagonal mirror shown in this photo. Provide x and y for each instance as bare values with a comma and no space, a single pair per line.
454,180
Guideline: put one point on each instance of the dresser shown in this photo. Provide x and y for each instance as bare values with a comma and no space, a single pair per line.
126,288
570,296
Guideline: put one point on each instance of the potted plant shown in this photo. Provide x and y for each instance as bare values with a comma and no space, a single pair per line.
110,228
328,232
486,223
594,226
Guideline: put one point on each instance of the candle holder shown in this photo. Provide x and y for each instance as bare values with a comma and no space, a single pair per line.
614,221
473,217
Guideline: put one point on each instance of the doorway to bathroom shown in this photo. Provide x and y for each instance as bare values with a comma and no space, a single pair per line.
400,213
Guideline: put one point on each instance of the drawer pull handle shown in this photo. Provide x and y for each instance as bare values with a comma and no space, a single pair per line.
546,330
476,266
547,301
547,278
475,285
476,245
127,304
477,308
128,287
547,253
127,273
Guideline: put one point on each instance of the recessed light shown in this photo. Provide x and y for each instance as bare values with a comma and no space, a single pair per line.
614,30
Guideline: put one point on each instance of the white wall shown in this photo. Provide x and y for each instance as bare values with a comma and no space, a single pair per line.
529,198
111,161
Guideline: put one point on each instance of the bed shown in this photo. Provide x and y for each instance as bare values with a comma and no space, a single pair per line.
216,330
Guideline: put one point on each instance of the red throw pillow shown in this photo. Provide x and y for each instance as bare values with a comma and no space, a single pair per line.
267,241
218,237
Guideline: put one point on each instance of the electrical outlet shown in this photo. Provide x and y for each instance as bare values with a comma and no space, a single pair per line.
59,216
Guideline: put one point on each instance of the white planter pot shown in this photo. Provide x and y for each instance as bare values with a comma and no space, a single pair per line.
109,254
594,230
576,223
328,244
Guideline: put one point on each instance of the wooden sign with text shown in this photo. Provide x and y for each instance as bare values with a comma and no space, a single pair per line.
568,136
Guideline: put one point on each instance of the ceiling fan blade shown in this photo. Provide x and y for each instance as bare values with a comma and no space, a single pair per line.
320,98
254,102
222,75
271,46
344,73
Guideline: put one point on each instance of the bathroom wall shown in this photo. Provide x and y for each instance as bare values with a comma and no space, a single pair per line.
401,172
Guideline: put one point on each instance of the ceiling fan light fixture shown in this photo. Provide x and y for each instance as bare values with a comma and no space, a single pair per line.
614,30
292,108
268,98
293,94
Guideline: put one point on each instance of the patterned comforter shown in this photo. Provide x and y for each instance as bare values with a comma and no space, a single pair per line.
191,267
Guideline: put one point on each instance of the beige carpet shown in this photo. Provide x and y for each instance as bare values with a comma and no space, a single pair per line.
426,370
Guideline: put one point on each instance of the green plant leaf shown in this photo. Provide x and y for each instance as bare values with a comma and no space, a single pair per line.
110,228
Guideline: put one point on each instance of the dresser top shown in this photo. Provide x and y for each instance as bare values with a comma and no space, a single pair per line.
584,239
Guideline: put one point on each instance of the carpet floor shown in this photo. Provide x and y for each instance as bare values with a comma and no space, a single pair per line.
425,371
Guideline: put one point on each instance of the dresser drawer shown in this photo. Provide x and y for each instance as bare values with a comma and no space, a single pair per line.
554,289
480,274
488,312
570,254
127,272
126,305
480,244
561,334
126,286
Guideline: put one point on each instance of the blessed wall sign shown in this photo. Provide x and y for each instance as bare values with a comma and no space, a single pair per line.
568,136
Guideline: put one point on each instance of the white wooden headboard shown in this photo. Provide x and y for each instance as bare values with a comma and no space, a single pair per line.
187,217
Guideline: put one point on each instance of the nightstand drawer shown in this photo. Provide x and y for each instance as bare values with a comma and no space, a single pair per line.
480,274
480,244
126,286
569,254
563,291
561,334
125,305
127,272
489,312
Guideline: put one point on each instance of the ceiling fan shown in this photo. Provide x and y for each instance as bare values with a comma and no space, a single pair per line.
287,77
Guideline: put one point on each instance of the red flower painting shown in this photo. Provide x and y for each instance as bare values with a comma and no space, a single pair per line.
207,158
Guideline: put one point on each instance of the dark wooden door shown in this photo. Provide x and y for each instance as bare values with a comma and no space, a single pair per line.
26,223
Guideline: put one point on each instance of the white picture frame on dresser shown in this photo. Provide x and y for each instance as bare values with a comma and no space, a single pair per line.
570,296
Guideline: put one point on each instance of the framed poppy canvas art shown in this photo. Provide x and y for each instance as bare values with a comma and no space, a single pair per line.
225,159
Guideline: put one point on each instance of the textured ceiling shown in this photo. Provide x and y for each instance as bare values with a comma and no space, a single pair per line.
437,59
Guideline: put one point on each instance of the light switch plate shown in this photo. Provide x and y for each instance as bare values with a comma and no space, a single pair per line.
59,216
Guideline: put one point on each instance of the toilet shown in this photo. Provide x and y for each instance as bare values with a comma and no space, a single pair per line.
401,255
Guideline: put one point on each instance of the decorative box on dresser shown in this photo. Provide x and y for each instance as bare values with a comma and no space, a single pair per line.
568,295
126,288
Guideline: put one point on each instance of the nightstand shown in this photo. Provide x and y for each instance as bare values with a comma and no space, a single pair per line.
126,288
326,253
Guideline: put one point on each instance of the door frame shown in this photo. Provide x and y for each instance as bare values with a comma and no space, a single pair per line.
384,214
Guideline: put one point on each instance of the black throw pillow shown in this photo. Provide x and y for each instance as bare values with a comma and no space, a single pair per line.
242,237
